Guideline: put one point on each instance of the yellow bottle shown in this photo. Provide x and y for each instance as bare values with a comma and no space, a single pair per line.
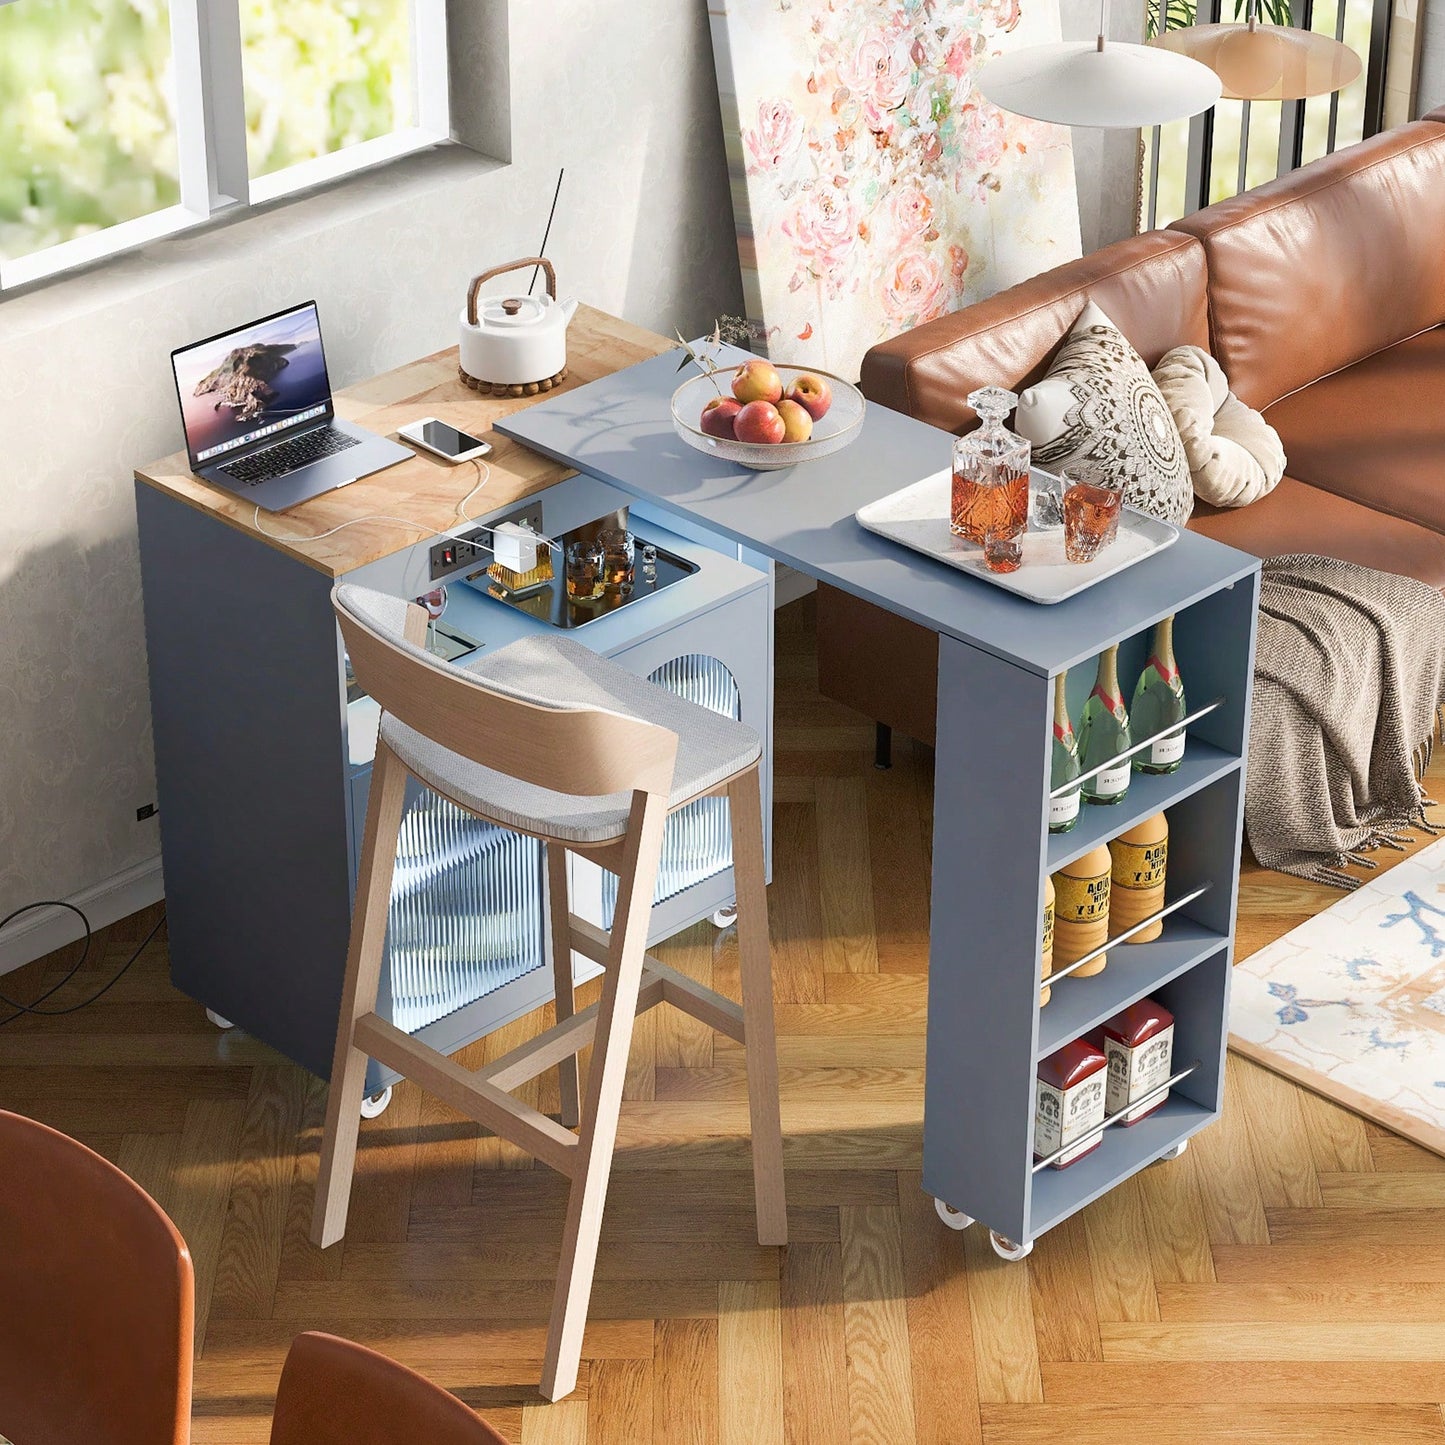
1140,859
1048,948
1081,910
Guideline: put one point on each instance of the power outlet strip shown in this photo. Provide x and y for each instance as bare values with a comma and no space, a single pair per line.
450,555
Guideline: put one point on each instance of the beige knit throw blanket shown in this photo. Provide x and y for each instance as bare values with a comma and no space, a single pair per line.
1349,677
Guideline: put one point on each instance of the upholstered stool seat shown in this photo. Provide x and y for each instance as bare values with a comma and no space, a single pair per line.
710,747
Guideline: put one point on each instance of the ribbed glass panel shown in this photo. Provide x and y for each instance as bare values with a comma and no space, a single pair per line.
466,911
698,840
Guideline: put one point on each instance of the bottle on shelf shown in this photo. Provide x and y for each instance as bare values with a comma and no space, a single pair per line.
1064,764
1048,942
1159,703
990,471
1069,1101
1104,734
1140,860
1081,910
1139,1047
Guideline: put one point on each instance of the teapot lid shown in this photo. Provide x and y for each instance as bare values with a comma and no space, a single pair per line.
513,311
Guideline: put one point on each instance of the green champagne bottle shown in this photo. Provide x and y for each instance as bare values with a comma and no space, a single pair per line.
1064,768
1104,734
1158,703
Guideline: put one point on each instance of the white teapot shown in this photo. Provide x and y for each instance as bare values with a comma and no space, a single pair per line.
517,343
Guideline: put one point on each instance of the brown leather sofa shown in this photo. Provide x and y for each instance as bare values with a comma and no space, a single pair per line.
1322,295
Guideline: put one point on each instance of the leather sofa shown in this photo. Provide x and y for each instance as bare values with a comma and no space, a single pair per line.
1322,295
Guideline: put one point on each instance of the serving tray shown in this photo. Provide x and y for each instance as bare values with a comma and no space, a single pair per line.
917,517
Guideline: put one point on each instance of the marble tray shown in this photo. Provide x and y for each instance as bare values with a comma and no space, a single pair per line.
918,518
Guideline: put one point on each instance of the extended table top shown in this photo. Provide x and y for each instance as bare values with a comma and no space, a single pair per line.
619,428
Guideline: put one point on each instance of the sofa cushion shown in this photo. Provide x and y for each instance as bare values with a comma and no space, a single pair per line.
1151,285
1296,517
1375,431
1321,268
1099,408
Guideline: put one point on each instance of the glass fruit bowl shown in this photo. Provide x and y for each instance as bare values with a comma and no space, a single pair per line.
831,432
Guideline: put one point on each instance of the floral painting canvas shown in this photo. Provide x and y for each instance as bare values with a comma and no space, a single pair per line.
874,188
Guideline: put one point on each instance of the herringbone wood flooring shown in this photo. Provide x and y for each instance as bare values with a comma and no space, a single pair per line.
1283,1281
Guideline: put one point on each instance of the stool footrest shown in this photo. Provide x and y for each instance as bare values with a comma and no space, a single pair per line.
478,1099
704,1004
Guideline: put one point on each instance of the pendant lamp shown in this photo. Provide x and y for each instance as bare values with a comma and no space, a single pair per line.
1099,82
1265,62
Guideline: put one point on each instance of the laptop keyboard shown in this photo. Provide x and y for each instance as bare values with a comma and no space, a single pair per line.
289,456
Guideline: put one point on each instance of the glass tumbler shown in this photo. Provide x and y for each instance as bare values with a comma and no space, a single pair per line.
1092,503
585,561
619,552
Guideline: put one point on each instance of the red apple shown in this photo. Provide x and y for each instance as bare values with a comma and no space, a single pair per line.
757,381
759,421
797,421
811,393
717,416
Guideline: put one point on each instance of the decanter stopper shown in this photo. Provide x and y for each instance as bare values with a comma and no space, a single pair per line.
992,403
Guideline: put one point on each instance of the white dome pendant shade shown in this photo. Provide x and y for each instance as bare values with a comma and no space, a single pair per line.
1266,62
1099,82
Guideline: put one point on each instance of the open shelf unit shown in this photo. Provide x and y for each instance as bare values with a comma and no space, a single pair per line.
992,852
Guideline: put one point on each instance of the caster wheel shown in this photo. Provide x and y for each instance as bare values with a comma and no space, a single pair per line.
1007,1249
1176,1151
953,1218
725,917
220,1023
376,1105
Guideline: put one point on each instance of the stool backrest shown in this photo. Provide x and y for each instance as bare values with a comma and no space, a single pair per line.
336,1393
97,1300
582,750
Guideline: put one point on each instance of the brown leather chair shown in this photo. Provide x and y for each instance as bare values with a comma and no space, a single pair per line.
97,1300
1323,296
333,1392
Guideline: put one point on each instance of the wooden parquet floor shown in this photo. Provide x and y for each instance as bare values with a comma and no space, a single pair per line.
1283,1282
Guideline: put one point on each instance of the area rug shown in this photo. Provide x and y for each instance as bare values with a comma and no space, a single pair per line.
1352,1003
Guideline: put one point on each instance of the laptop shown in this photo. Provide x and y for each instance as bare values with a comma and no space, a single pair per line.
256,406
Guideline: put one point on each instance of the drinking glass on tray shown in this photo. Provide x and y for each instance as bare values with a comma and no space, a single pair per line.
1092,503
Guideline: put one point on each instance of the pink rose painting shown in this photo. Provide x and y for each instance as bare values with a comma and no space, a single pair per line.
875,187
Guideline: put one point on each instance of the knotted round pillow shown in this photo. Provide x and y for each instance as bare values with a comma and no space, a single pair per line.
1235,457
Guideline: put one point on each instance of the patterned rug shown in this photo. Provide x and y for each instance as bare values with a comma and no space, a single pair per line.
1352,1003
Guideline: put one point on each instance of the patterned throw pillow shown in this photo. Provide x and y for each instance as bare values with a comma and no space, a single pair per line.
1098,406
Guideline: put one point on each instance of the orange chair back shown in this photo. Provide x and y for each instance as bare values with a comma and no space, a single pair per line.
336,1393
97,1300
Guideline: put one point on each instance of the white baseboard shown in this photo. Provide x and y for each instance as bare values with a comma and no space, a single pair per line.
789,585
33,935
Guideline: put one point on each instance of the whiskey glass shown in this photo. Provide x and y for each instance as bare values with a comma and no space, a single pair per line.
585,563
619,552
1092,503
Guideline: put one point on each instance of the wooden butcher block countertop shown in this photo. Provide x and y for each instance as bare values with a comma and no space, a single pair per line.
425,491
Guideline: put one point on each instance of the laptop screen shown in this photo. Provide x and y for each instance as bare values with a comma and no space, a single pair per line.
252,383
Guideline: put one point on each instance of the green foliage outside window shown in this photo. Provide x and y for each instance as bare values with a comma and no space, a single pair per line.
87,120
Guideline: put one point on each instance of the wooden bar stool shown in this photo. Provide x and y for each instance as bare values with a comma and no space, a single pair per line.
549,739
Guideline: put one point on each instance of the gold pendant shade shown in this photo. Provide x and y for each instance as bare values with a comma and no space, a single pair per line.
1266,62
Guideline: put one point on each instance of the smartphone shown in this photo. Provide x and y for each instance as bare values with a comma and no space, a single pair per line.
443,440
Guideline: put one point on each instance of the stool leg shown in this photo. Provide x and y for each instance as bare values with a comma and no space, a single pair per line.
358,996
605,1077
755,962
560,942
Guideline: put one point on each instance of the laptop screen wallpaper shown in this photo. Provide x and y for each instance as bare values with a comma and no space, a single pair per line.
251,383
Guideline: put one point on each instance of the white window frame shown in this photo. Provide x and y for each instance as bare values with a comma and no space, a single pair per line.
214,172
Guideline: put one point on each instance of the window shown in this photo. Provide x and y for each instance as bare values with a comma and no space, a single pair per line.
123,120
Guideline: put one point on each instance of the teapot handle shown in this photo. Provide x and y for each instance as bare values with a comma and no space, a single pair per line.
479,281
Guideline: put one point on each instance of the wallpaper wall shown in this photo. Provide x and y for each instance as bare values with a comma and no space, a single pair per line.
644,229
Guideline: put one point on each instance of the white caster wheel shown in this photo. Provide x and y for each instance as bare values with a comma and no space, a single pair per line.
953,1218
725,917
1176,1151
376,1105
1007,1249
220,1023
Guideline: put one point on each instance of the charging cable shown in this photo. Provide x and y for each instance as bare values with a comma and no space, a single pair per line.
33,1007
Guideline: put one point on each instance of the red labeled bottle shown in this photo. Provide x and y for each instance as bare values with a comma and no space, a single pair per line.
1069,1102
1139,1046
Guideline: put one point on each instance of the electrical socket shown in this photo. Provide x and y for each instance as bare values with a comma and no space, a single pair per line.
148,811
448,555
